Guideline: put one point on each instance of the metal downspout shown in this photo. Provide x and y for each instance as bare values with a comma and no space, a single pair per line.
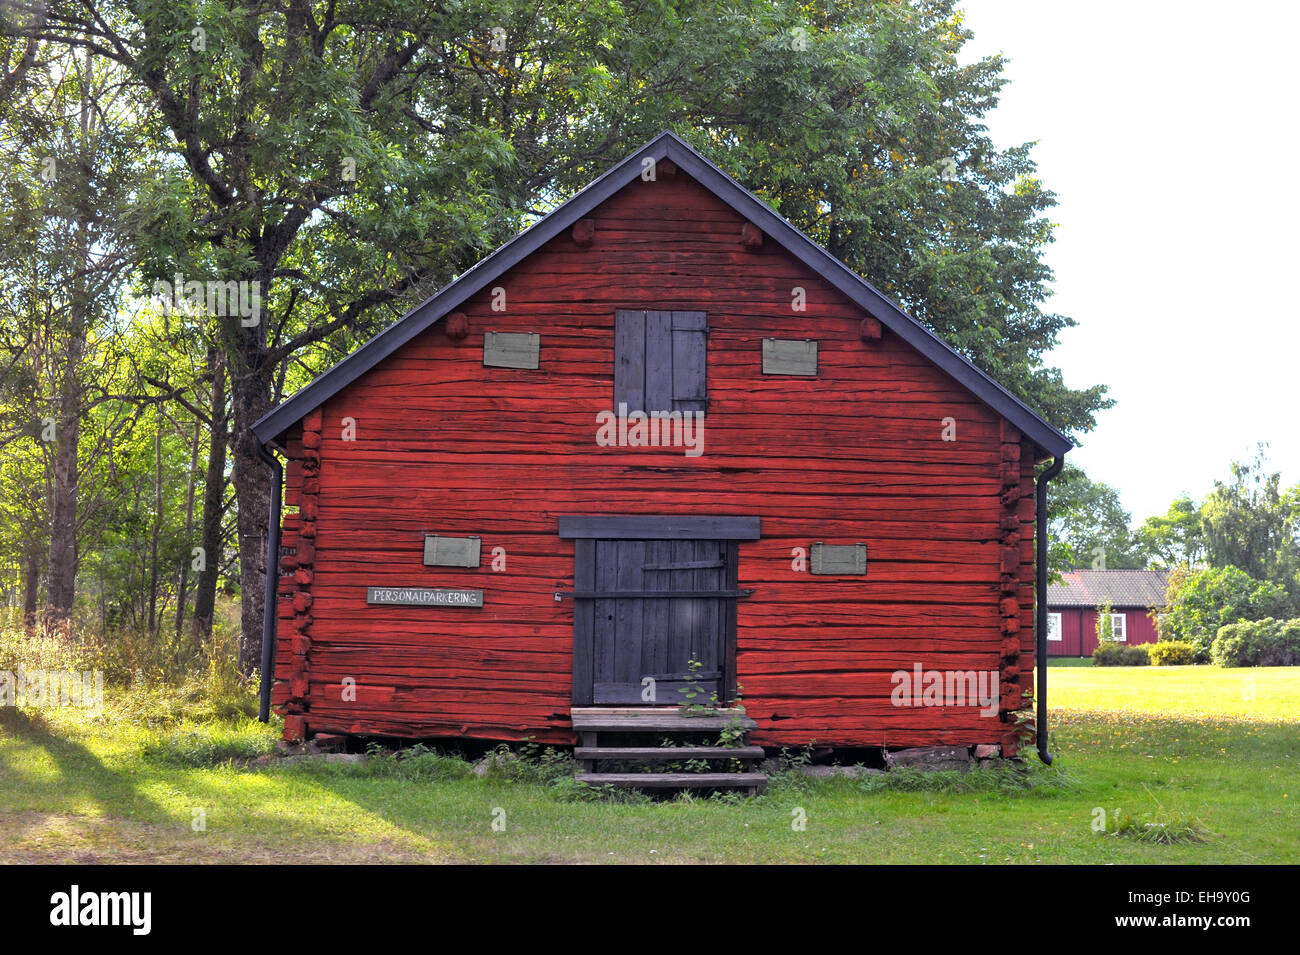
272,582
1040,603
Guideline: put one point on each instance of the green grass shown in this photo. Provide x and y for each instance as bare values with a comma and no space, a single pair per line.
1184,764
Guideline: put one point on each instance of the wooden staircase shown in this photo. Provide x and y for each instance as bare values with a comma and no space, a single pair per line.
645,725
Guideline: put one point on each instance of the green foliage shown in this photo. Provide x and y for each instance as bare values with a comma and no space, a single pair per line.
43,648
1175,539
789,776
1202,601
697,704
1105,626
1171,653
1258,643
568,789
1157,829
1110,653
1089,527
418,763
1251,523
846,135
530,763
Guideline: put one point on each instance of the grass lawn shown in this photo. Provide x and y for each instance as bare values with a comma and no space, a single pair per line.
1214,750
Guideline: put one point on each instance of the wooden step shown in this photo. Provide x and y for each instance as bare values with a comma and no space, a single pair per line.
653,753
676,780
650,719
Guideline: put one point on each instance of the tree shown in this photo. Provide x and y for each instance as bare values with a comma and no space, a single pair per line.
71,168
1105,626
867,135
1251,523
339,161
1089,526
1177,538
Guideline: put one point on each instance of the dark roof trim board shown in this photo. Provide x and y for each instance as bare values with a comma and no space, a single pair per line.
665,146
659,527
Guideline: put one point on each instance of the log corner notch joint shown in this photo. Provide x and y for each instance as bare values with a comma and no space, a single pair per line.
584,233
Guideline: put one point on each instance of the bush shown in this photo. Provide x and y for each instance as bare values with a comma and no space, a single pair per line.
1258,643
1200,602
1171,653
1109,653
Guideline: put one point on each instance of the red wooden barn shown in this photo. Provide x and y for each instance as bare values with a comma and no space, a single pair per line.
659,443
1074,605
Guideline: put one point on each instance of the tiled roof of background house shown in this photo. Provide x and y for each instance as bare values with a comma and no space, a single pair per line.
1119,588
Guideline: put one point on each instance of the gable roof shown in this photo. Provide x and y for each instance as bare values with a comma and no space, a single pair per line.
1119,588
666,145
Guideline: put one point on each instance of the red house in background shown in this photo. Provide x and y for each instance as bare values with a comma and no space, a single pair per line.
1072,608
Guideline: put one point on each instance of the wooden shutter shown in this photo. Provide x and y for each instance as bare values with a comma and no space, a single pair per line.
660,360
690,333
629,360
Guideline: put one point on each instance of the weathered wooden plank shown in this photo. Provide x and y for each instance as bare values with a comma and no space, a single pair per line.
658,362
629,361
667,753
675,780
584,625
651,720
690,389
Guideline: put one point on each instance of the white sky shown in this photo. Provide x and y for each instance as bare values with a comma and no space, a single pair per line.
1169,133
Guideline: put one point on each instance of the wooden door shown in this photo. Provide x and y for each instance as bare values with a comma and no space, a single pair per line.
654,607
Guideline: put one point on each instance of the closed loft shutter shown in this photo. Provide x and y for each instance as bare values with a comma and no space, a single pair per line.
661,361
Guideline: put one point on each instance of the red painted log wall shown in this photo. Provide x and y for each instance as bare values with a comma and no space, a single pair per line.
443,444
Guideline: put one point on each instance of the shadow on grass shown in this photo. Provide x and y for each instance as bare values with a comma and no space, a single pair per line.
82,777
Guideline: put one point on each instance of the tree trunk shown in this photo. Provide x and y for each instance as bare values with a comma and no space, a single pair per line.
250,399
214,497
157,527
63,524
63,516
31,588
183,581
